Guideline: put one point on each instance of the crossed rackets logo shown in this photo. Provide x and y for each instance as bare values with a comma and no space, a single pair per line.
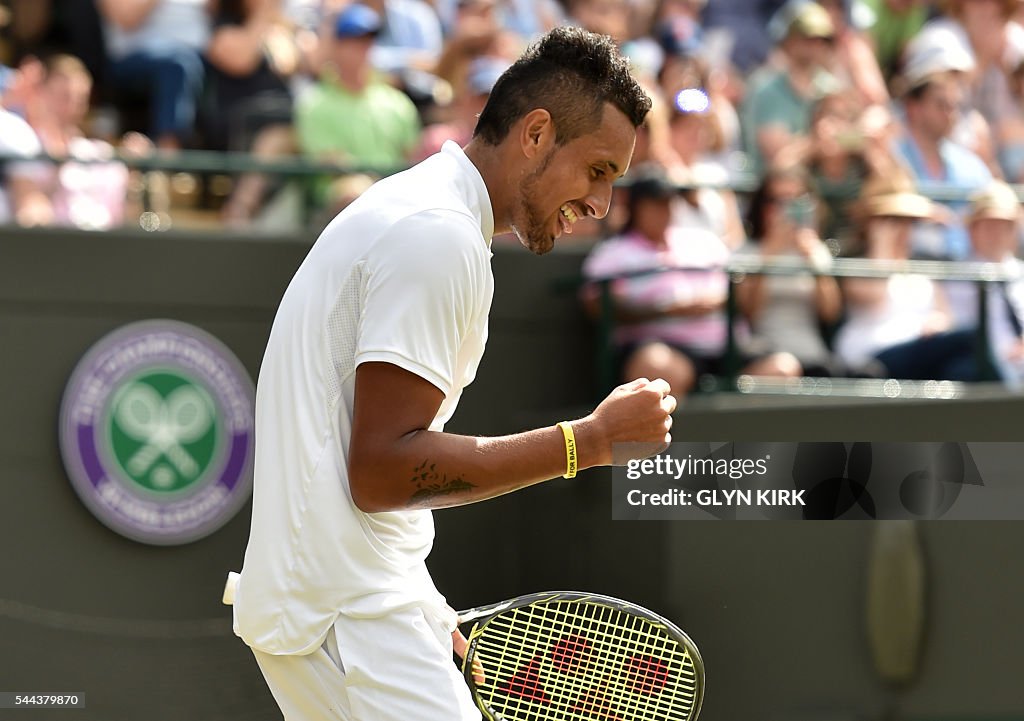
164,427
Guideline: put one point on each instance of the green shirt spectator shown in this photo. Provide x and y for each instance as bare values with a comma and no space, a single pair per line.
351,116
376,127
777,113
896,22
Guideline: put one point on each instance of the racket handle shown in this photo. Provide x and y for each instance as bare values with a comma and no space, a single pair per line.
471,614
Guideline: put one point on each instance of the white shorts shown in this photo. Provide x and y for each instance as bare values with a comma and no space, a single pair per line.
395,668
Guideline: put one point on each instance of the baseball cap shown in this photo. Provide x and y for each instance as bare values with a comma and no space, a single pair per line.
998,200
802,17
933,53
357,20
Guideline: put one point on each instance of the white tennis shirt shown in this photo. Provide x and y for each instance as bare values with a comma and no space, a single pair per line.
403,276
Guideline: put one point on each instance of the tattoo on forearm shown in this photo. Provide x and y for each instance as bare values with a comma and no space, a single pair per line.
432,484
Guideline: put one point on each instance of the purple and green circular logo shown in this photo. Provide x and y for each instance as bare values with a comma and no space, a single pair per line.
156,431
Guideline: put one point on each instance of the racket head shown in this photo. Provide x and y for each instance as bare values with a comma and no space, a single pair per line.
575,655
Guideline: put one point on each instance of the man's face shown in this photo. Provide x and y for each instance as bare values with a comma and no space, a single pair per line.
939,108
810,52
572,181
652,218
982,15
351,52
67,98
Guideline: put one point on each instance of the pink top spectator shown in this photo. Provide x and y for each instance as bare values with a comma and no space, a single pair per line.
693,249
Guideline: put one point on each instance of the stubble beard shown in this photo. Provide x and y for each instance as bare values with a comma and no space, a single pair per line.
529,223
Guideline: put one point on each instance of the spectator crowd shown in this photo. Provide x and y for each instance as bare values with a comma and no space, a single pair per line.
804,130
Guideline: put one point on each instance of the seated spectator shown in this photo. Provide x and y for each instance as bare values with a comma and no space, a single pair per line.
653,137
944,52
685,67
251,55
83,195
670,324
839,156
788,312
410,36
526,19
899,326
21,85
22,199
465,108
987,30
777,110
380,126
747,26
931,107
662,31
695,137
1011,148
855,64
993,223
476,33
155,50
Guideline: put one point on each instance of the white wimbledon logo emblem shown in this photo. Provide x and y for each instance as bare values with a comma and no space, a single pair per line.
163,425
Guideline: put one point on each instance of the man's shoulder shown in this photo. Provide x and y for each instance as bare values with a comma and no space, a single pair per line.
419,204
767,82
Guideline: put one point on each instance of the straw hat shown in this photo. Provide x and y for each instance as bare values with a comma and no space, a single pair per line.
801,17
998,200
893,196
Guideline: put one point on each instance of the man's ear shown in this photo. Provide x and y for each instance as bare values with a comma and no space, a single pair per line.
537,132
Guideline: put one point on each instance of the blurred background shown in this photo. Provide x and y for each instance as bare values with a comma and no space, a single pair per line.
819,240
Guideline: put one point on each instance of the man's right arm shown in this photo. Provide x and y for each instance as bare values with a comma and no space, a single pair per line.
396,463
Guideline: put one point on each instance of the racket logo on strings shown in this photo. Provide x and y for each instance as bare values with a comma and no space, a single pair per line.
572,655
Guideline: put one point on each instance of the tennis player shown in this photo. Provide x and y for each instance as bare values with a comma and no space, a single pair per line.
381,328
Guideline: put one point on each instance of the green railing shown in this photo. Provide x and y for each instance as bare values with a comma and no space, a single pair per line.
302,168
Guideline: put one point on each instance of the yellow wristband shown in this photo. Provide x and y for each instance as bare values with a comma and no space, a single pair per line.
570,450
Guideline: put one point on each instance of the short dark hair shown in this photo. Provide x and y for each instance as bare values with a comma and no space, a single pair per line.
571,73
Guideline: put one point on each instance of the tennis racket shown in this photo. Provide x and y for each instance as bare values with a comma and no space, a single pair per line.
569,655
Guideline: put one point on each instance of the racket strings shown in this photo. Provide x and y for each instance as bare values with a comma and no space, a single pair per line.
564,660
599,691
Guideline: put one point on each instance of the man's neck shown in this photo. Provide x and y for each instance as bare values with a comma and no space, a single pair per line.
494,169
354,80
801,77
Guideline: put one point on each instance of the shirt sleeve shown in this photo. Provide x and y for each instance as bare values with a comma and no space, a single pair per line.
424,285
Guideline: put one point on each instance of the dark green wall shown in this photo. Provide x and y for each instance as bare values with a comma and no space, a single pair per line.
777,607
